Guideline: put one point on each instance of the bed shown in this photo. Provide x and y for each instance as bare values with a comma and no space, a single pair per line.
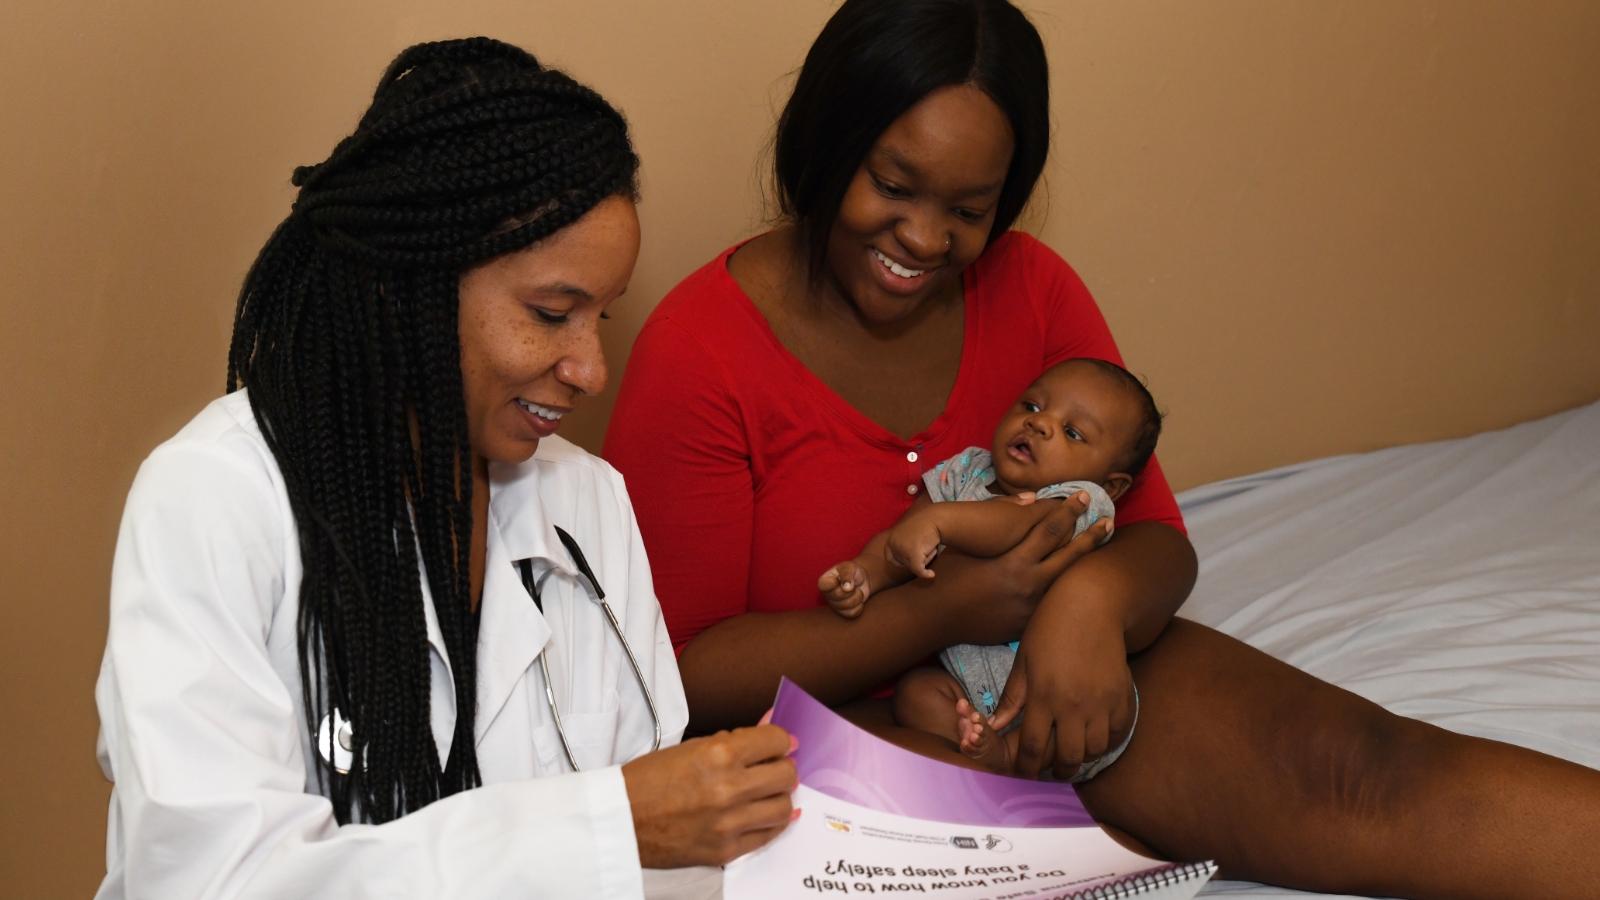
1455,582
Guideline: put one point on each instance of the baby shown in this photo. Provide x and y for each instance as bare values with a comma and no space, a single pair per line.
1085,425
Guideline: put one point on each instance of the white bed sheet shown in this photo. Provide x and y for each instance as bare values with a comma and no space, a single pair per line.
1455,582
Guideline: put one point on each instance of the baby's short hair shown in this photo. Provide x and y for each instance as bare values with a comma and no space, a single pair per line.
1144,443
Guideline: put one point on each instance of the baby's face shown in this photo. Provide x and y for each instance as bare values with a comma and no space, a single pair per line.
1074,424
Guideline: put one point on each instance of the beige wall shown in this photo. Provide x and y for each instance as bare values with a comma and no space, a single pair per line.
1318,227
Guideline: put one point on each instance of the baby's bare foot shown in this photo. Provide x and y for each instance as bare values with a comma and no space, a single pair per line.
979,741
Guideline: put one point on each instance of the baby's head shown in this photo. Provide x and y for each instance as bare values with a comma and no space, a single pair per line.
1083,420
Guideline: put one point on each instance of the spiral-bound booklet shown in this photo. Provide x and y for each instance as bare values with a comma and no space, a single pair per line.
876,819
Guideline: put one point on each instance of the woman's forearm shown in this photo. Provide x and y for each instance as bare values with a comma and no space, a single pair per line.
1140,578
731,670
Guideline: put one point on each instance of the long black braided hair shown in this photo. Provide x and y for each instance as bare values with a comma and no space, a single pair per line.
346,338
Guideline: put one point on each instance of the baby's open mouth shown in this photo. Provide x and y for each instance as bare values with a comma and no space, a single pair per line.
1020,448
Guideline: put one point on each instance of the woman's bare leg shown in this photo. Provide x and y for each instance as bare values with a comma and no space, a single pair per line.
1285,779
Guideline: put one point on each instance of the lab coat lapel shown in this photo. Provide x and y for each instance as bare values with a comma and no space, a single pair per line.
511,631
442,691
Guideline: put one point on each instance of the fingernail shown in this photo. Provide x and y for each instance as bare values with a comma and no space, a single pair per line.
766,717
794,815
794,744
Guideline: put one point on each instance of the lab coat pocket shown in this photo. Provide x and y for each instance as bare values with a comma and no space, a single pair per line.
593,736
547,746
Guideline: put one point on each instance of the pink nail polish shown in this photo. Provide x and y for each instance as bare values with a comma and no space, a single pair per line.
794,744
794,815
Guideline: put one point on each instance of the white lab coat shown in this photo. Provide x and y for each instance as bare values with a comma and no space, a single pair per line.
199,693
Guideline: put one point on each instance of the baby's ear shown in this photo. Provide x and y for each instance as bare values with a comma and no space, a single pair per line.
1117,484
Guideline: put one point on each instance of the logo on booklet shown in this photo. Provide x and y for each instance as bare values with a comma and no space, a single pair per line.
965,843
838,824
996,843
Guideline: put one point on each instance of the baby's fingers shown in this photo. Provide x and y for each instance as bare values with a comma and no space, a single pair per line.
851,605
830,581
856,577
843,580
912,558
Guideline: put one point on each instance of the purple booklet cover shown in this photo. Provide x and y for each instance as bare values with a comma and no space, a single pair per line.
841,760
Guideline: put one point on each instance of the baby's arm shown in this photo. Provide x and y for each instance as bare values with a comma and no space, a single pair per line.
848,584
984,528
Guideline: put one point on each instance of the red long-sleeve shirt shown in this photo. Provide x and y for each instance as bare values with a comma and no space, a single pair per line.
750,477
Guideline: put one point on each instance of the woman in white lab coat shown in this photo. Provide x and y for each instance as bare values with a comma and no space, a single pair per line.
339,592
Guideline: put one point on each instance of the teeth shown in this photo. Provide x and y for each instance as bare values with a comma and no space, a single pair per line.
896,268
540,411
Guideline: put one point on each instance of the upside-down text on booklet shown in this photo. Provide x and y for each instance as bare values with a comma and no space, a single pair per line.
877,819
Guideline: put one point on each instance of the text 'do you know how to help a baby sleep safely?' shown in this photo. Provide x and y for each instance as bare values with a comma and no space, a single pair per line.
880,820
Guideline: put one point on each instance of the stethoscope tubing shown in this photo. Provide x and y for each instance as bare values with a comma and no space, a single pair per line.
526,568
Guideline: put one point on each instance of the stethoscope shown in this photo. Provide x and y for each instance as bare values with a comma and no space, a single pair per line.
334,741
525,566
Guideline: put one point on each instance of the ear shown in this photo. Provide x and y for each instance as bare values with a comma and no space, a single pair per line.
1117,484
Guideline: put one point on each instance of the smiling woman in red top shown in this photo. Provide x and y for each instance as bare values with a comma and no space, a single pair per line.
782,403
747,457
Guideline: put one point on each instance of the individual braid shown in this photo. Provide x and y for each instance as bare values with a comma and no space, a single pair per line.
346,336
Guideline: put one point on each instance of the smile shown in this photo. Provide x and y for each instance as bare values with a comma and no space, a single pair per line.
542,412
895,267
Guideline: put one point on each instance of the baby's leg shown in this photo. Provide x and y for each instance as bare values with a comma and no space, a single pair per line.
932,700
979,742
925,699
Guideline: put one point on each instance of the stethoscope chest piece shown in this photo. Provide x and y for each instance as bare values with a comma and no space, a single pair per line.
336,743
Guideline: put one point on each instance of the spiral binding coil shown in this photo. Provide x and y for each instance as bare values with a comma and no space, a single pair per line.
1145,882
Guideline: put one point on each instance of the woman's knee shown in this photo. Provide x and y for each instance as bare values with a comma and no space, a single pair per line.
1277,740
1364,764
1344,758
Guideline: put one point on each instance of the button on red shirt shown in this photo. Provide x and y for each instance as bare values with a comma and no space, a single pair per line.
750,477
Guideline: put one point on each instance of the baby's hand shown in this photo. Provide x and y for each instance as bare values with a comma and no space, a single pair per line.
846,588
912,544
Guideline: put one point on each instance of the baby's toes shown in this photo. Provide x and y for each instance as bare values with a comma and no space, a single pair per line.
969,730
972,742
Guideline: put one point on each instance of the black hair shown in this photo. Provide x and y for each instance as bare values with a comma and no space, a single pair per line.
1144,443
346,338
874,60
